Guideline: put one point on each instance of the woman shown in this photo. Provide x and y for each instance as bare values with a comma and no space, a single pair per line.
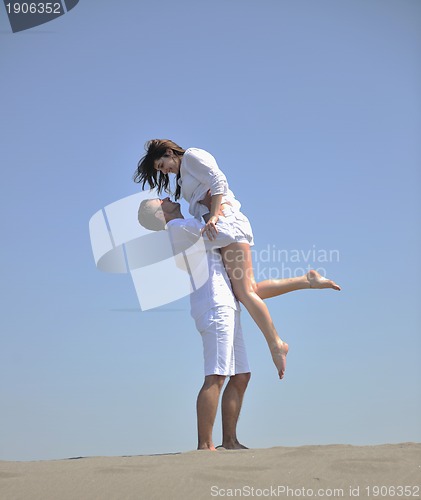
197,173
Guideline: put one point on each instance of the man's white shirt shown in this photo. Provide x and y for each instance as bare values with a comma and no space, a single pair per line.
217,289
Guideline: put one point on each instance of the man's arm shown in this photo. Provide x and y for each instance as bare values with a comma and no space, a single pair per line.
186,232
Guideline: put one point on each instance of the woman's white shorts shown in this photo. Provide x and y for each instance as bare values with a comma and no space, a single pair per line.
238,224
223,344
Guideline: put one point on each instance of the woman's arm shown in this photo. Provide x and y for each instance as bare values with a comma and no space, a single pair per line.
210,228
203,167
211,203
215,205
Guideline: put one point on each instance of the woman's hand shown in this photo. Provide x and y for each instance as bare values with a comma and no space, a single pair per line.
210,228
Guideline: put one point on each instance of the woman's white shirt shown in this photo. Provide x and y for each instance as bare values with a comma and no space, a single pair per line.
199,172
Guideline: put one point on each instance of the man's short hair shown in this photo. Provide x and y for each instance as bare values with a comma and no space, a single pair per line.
148,216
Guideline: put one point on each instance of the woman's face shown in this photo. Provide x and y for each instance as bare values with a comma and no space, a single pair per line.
169,163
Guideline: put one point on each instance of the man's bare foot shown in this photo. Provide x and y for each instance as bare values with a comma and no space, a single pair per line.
207,447
316,280
279,353
237,446
232,445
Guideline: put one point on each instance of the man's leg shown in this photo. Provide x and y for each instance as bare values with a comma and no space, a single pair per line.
232,400
207,404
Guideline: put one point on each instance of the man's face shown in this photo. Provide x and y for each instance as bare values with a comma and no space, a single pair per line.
170,209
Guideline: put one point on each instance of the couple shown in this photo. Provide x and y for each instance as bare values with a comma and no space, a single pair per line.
227,233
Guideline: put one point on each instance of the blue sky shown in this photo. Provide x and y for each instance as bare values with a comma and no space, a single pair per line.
313,111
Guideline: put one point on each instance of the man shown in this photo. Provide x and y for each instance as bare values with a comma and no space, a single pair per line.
217,316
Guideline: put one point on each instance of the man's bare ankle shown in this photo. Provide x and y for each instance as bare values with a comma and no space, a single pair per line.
206,446
233,444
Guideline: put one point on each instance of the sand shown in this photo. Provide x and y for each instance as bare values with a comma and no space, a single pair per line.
333,471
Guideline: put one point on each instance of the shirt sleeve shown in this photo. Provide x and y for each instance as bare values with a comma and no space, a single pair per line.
186,232
203,167
183,235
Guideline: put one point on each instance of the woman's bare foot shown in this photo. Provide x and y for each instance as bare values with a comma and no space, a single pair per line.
317,281
279,353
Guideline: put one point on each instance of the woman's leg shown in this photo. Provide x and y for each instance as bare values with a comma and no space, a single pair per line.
274,287
238,263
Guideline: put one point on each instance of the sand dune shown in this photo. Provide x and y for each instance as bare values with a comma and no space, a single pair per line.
333,471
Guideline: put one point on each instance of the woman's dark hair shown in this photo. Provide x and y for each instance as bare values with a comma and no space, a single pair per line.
146,173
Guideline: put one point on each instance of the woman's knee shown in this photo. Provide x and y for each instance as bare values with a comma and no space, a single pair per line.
245,293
